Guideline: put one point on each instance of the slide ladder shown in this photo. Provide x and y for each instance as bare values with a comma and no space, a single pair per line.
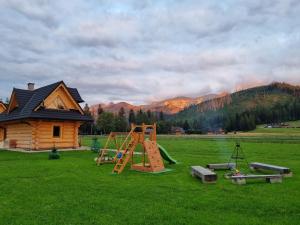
123,157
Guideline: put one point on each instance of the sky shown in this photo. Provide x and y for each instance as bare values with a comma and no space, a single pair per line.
142,51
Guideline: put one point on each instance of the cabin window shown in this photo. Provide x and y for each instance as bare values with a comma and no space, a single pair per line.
56,131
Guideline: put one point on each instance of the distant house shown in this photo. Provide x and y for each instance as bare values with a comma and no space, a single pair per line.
177,130
42,118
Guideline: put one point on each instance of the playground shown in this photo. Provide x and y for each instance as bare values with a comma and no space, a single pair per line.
122,148
73,190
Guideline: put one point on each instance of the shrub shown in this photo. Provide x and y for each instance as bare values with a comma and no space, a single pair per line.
54,154
95,145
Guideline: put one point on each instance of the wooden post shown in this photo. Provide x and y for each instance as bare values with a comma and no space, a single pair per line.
154,133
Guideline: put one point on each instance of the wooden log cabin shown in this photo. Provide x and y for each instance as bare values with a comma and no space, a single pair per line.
43,118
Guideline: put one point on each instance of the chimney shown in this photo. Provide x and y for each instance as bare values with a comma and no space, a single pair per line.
30,86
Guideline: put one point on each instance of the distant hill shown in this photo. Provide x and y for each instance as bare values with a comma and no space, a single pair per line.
169,106
113,107
244,109
175,105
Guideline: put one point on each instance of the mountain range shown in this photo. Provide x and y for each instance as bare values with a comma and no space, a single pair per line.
243,110
168,106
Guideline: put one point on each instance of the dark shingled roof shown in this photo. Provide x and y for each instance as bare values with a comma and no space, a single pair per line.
30,100
74,92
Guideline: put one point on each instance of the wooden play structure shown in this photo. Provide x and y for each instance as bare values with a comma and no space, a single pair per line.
125,146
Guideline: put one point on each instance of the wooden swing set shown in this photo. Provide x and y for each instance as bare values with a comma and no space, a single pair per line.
125,146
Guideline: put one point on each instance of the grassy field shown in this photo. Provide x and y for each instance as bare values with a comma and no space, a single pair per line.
294,123
287,131
73,190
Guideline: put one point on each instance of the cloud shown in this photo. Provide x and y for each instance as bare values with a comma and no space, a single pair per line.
141,51
111,32
36,10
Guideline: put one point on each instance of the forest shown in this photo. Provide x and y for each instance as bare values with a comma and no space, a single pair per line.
240,111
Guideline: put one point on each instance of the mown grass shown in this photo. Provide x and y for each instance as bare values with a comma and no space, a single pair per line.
294,123
288,131
293,130
73,190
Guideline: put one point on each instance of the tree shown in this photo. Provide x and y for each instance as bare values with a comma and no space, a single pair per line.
230,123
195,125
131,117
186,125
120,121
121,112
161,116
243,123
105,122
87,127
163,127
141,117
150,117
86,109
99,110
252,124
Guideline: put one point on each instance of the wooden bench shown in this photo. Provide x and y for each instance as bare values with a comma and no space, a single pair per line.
206,176
241,179
221,166
282,170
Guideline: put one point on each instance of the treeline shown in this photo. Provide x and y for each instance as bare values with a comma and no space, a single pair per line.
229,119
226,120
107,122
243,110
280,112
240,111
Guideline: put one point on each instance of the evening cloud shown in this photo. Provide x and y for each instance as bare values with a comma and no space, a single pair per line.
141,51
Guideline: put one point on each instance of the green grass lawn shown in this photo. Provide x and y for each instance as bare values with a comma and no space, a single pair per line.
73,190
287,131
294,123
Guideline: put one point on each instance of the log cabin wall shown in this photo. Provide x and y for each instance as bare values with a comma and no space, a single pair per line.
44,138
39,135
2,134
21,134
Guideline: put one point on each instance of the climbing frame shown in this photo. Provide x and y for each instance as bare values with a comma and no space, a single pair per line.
113,143
144,135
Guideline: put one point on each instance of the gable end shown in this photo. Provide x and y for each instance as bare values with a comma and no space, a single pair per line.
60,99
